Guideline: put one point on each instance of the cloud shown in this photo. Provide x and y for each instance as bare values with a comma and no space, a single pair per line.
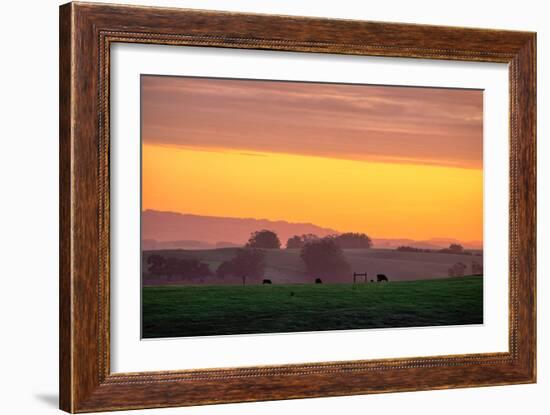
360,122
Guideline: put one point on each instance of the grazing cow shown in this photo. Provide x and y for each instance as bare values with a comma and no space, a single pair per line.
381,277
318,281
371,280
266,282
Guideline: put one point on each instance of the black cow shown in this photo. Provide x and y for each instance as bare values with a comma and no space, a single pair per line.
318,281
266,282
381,277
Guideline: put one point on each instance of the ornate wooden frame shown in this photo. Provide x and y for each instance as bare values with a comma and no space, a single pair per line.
86,33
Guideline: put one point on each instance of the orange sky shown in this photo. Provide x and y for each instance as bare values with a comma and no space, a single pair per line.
393,162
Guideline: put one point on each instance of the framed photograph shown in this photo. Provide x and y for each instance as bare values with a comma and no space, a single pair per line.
259,207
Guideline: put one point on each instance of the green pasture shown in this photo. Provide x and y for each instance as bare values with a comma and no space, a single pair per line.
204,310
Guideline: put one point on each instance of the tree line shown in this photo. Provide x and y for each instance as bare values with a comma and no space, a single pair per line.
178,268
266,239
459,269
322,257
452,249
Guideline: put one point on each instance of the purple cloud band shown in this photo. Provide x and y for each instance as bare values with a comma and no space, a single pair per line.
359,122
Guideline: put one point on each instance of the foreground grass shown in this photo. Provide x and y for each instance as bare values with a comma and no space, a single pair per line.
178,311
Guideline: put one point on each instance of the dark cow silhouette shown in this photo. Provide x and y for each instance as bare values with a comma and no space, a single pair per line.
381,277
371,280
318,281
266,282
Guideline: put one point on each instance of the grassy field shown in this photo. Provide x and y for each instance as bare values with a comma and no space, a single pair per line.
284,266
185,310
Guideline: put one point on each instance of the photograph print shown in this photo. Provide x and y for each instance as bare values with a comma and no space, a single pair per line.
283,206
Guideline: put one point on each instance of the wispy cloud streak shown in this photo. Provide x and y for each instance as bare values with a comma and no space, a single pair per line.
359,122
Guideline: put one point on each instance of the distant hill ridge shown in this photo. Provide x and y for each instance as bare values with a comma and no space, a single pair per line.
166,230
170,226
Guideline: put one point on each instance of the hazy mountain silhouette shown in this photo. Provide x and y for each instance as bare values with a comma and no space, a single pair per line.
215,231
171,230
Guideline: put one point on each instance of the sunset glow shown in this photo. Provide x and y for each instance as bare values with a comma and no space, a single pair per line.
392,162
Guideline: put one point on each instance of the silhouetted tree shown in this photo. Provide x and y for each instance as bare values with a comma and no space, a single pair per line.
203,270
405,248
156,265
309,237
171,267
456,248
190,269
175,267
453,249
477,268
298,242
324,258
247,263
264,239
224,269
352,240
457,270
294,243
